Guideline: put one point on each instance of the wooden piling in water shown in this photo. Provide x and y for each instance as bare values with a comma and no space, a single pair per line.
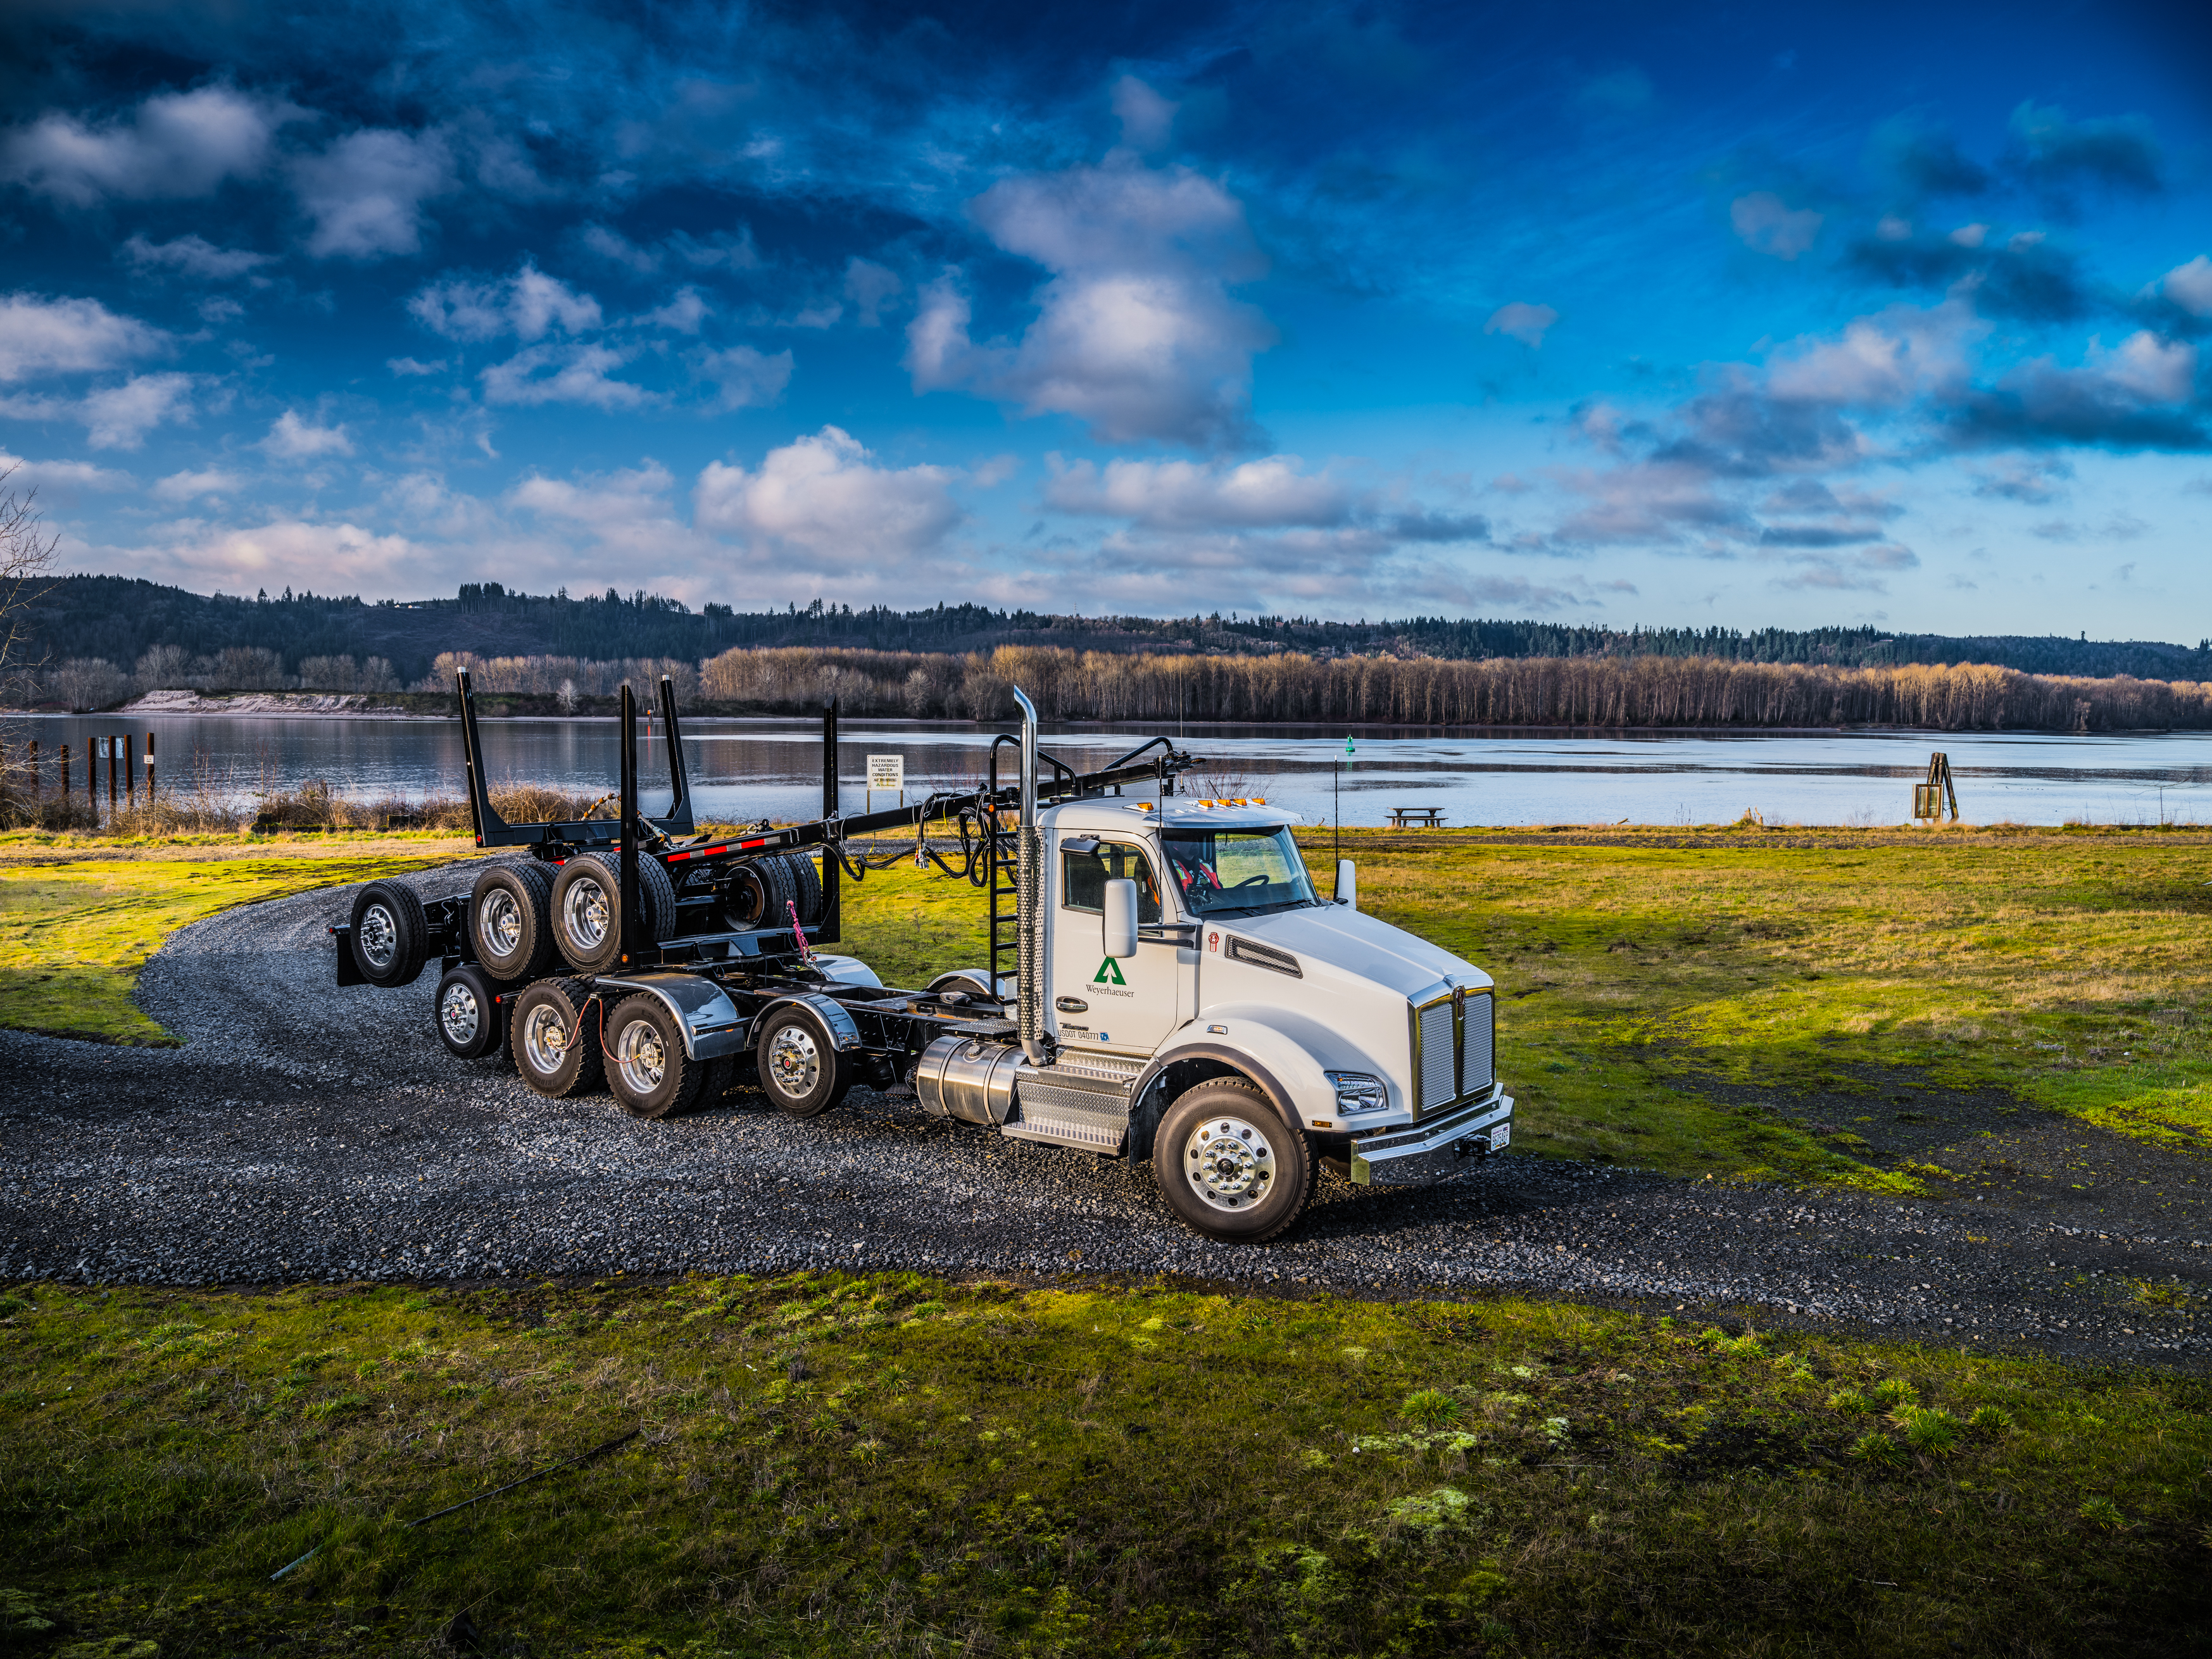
130,776
149,768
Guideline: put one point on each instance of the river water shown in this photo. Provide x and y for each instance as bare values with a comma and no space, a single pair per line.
751,768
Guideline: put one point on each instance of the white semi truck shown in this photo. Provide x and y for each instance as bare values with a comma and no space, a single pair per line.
1179,990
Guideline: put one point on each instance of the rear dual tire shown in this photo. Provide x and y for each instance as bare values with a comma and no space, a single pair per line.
556,1038
471,1019
390,934
586,908
510,914
647,1070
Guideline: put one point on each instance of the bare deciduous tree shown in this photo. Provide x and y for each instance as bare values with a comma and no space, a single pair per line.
27,569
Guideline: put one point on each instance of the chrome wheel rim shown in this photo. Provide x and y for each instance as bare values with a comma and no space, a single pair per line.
499,923
795,1064
459,1014
584,912
1231,1163
379,936
545,1039
640,1057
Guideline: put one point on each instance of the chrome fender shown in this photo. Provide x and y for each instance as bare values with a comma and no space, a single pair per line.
710,1021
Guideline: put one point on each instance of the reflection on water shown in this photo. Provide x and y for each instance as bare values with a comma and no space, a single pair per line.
771,767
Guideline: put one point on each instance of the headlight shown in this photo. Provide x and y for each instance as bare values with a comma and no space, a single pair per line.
1356,1091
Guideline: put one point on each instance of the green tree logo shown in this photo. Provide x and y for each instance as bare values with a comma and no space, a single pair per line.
1110,973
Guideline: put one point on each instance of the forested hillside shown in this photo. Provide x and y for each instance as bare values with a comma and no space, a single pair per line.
254,642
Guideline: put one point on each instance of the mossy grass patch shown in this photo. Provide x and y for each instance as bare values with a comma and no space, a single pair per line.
832,1464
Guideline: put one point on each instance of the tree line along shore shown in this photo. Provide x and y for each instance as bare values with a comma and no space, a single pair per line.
1287,687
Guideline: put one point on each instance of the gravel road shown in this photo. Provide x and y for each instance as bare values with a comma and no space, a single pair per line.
305,1133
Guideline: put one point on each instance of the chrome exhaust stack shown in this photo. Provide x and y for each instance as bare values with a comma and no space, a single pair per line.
1028,887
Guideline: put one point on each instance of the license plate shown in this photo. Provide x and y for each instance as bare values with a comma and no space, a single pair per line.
1501,1136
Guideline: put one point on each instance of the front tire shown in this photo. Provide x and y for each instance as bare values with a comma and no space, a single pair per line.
647,1067
556,1042
1228,1166
801,1070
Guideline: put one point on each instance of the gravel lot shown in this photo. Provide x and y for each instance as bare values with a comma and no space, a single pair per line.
304,1132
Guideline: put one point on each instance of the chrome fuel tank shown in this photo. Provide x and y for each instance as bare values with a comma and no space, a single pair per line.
969,1079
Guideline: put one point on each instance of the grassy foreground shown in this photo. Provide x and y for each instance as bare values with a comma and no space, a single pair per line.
833,1465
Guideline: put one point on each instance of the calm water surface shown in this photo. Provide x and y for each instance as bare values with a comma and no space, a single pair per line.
744,769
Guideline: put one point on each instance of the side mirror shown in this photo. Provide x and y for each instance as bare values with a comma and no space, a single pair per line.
1119,924
1347,883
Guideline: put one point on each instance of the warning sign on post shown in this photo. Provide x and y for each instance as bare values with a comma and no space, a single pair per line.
886,773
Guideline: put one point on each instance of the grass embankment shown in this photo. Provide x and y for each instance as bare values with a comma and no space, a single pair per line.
79,915
837,1466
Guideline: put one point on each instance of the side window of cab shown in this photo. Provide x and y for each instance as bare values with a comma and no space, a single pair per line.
1085,868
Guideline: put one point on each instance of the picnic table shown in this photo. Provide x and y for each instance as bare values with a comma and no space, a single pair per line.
1417,818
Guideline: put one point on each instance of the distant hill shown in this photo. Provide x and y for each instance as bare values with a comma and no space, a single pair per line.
120,618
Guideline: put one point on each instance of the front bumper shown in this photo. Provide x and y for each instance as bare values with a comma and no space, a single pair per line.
1439,1147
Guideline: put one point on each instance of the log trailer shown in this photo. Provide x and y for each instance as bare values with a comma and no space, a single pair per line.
1164,982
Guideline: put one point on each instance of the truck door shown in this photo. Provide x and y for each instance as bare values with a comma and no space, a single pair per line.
1123,1005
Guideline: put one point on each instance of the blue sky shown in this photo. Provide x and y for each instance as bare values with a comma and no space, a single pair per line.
1723,313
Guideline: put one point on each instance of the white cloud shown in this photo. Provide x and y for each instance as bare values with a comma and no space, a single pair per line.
365,193
63,336
119,417
175,144
1187,495
61,482
291,438
561,375
722,250
1147,119
2156,370
871,287
747,379
405,367
1971,236
1525,323
823,498
680,315
528,304
1880,360
613,246
340,557
1768,225
1136,332
195,256
2189,286
179,487
628,510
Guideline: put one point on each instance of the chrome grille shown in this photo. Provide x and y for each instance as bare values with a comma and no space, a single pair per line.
1437,1085
1452,1052
1481,1039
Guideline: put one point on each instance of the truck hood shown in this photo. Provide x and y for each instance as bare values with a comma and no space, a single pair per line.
1359,945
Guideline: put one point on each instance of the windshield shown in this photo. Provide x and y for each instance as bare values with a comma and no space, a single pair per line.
1221,870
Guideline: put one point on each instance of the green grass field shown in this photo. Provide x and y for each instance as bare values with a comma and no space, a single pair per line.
832,1466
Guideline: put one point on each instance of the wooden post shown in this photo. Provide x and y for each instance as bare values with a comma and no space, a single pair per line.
149,768
35,771
65,775
129,774
108,744
92,778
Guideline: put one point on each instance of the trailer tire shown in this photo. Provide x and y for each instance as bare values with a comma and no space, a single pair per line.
1251,1192
472,1021
511,920
806,882
556,1046
720,1073
801,1069
647,1070
391,938
586,908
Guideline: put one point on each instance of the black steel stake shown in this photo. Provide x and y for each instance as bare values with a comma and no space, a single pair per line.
832,906
632,933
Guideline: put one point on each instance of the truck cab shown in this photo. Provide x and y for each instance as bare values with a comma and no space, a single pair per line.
1244,1007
